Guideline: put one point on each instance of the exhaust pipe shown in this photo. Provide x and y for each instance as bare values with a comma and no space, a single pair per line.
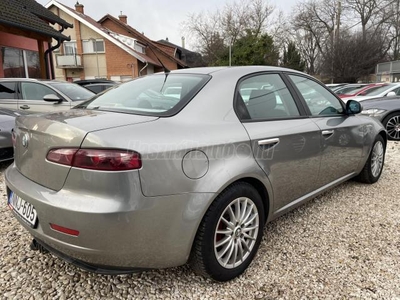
36,246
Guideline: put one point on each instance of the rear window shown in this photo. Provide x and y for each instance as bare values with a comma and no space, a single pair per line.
381,89
154,95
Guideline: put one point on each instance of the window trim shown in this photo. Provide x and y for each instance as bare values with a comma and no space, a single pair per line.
299,104
303,101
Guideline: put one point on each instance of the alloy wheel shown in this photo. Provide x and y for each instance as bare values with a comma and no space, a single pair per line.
377,158
393,127
236,232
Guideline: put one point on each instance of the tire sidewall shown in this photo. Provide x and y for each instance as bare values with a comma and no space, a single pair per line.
212,265
372,177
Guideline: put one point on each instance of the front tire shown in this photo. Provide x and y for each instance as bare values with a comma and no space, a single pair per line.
373,167
229,234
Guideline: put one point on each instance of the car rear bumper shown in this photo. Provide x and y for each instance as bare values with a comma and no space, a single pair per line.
132,234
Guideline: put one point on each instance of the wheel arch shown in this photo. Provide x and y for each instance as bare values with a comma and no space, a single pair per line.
383,134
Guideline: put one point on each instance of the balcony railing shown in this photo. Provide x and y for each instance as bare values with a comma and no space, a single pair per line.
72,61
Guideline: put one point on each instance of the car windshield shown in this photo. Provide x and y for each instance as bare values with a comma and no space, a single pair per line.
73,91
376,92
154,95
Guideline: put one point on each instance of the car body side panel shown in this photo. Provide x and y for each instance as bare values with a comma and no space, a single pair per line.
342,143
228,155
295,156
36,106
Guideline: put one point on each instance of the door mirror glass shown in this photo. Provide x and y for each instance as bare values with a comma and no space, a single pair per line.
390,94
353,107
52,98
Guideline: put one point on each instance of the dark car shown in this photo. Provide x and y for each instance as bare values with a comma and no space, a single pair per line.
386,110
96,85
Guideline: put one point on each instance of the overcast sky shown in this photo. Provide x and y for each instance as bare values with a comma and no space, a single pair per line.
158,19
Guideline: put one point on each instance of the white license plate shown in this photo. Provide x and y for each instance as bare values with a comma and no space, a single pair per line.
23,208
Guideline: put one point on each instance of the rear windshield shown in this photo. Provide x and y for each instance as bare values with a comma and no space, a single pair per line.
73,91
154,95
376,92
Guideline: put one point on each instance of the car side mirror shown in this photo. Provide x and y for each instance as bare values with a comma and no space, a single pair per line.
353,107
390,94
52,98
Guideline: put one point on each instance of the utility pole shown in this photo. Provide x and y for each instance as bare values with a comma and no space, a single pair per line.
339,12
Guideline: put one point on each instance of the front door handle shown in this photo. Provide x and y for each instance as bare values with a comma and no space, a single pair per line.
24,107
269,142
327,133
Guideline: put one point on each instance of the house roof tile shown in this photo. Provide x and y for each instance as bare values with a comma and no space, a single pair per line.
31,16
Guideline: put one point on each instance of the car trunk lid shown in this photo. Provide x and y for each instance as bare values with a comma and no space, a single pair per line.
37,134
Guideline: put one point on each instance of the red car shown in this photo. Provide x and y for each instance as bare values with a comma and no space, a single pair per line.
362,91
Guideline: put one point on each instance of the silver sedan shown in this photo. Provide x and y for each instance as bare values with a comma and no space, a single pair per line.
136,179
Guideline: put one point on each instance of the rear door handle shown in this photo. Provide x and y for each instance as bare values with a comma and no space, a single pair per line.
269,142
327,133
24,107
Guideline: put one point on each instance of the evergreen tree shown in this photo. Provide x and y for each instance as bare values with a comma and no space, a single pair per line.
292,58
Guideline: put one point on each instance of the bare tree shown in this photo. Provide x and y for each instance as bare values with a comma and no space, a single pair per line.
372,14
227,25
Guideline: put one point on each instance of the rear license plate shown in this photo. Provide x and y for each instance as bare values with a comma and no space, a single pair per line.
23,208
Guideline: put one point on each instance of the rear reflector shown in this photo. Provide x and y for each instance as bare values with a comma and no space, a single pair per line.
97,159
64,229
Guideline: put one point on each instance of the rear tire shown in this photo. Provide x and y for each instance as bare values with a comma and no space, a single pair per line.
229,234
373,167
392,126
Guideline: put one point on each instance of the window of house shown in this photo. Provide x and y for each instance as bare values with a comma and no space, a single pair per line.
70,48
19,63
140,48
93,46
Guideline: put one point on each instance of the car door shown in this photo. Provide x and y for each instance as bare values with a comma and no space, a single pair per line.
8,94
31,99
341,134
285,142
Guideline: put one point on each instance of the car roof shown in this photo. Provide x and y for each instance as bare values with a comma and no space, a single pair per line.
33,80
243,69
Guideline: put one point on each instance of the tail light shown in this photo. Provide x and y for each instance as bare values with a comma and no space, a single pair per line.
96,159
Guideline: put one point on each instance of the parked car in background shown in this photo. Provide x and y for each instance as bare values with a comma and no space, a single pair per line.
387,90
128,183
334,86
361,91
7,122
31,95
96,85
349,88
386,110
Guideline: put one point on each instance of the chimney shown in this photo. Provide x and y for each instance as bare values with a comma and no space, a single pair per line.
183,42
79,7
123,18
167,39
